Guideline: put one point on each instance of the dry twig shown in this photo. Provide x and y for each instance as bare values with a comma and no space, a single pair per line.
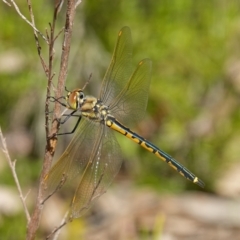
33,222
55,233
24,18
36,37
12,165
77,3
51,142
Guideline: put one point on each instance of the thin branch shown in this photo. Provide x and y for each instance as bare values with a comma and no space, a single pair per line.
50,73
33,23
12,165
59,186
7,3
60,4
51,142
58,34
25,19
70,218
55,233
36,38
77,3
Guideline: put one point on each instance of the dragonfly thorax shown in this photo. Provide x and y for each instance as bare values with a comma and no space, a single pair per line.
94,109
89,106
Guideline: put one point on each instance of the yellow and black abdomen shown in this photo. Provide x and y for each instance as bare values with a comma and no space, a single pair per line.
117,126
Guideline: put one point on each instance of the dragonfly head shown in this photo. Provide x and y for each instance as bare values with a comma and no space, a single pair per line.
75,99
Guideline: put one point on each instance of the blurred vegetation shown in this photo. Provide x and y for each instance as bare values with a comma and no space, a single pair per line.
193,112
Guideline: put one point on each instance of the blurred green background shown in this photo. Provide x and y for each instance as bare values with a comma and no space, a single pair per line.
193,111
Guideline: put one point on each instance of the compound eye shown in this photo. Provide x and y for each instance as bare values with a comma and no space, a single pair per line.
81,95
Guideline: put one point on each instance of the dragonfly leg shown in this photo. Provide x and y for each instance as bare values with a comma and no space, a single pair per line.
64,120
76,125
53,99
67,116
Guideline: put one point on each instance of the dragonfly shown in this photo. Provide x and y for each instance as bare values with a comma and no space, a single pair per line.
93,157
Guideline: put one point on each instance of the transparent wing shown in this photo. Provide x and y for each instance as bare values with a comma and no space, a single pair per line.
119,69
103,165
131,103
75,158
92,159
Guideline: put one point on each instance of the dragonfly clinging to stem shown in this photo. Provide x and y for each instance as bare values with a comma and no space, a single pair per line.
93,157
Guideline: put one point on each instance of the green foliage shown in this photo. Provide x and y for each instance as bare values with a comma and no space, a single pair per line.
13,227
193,111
